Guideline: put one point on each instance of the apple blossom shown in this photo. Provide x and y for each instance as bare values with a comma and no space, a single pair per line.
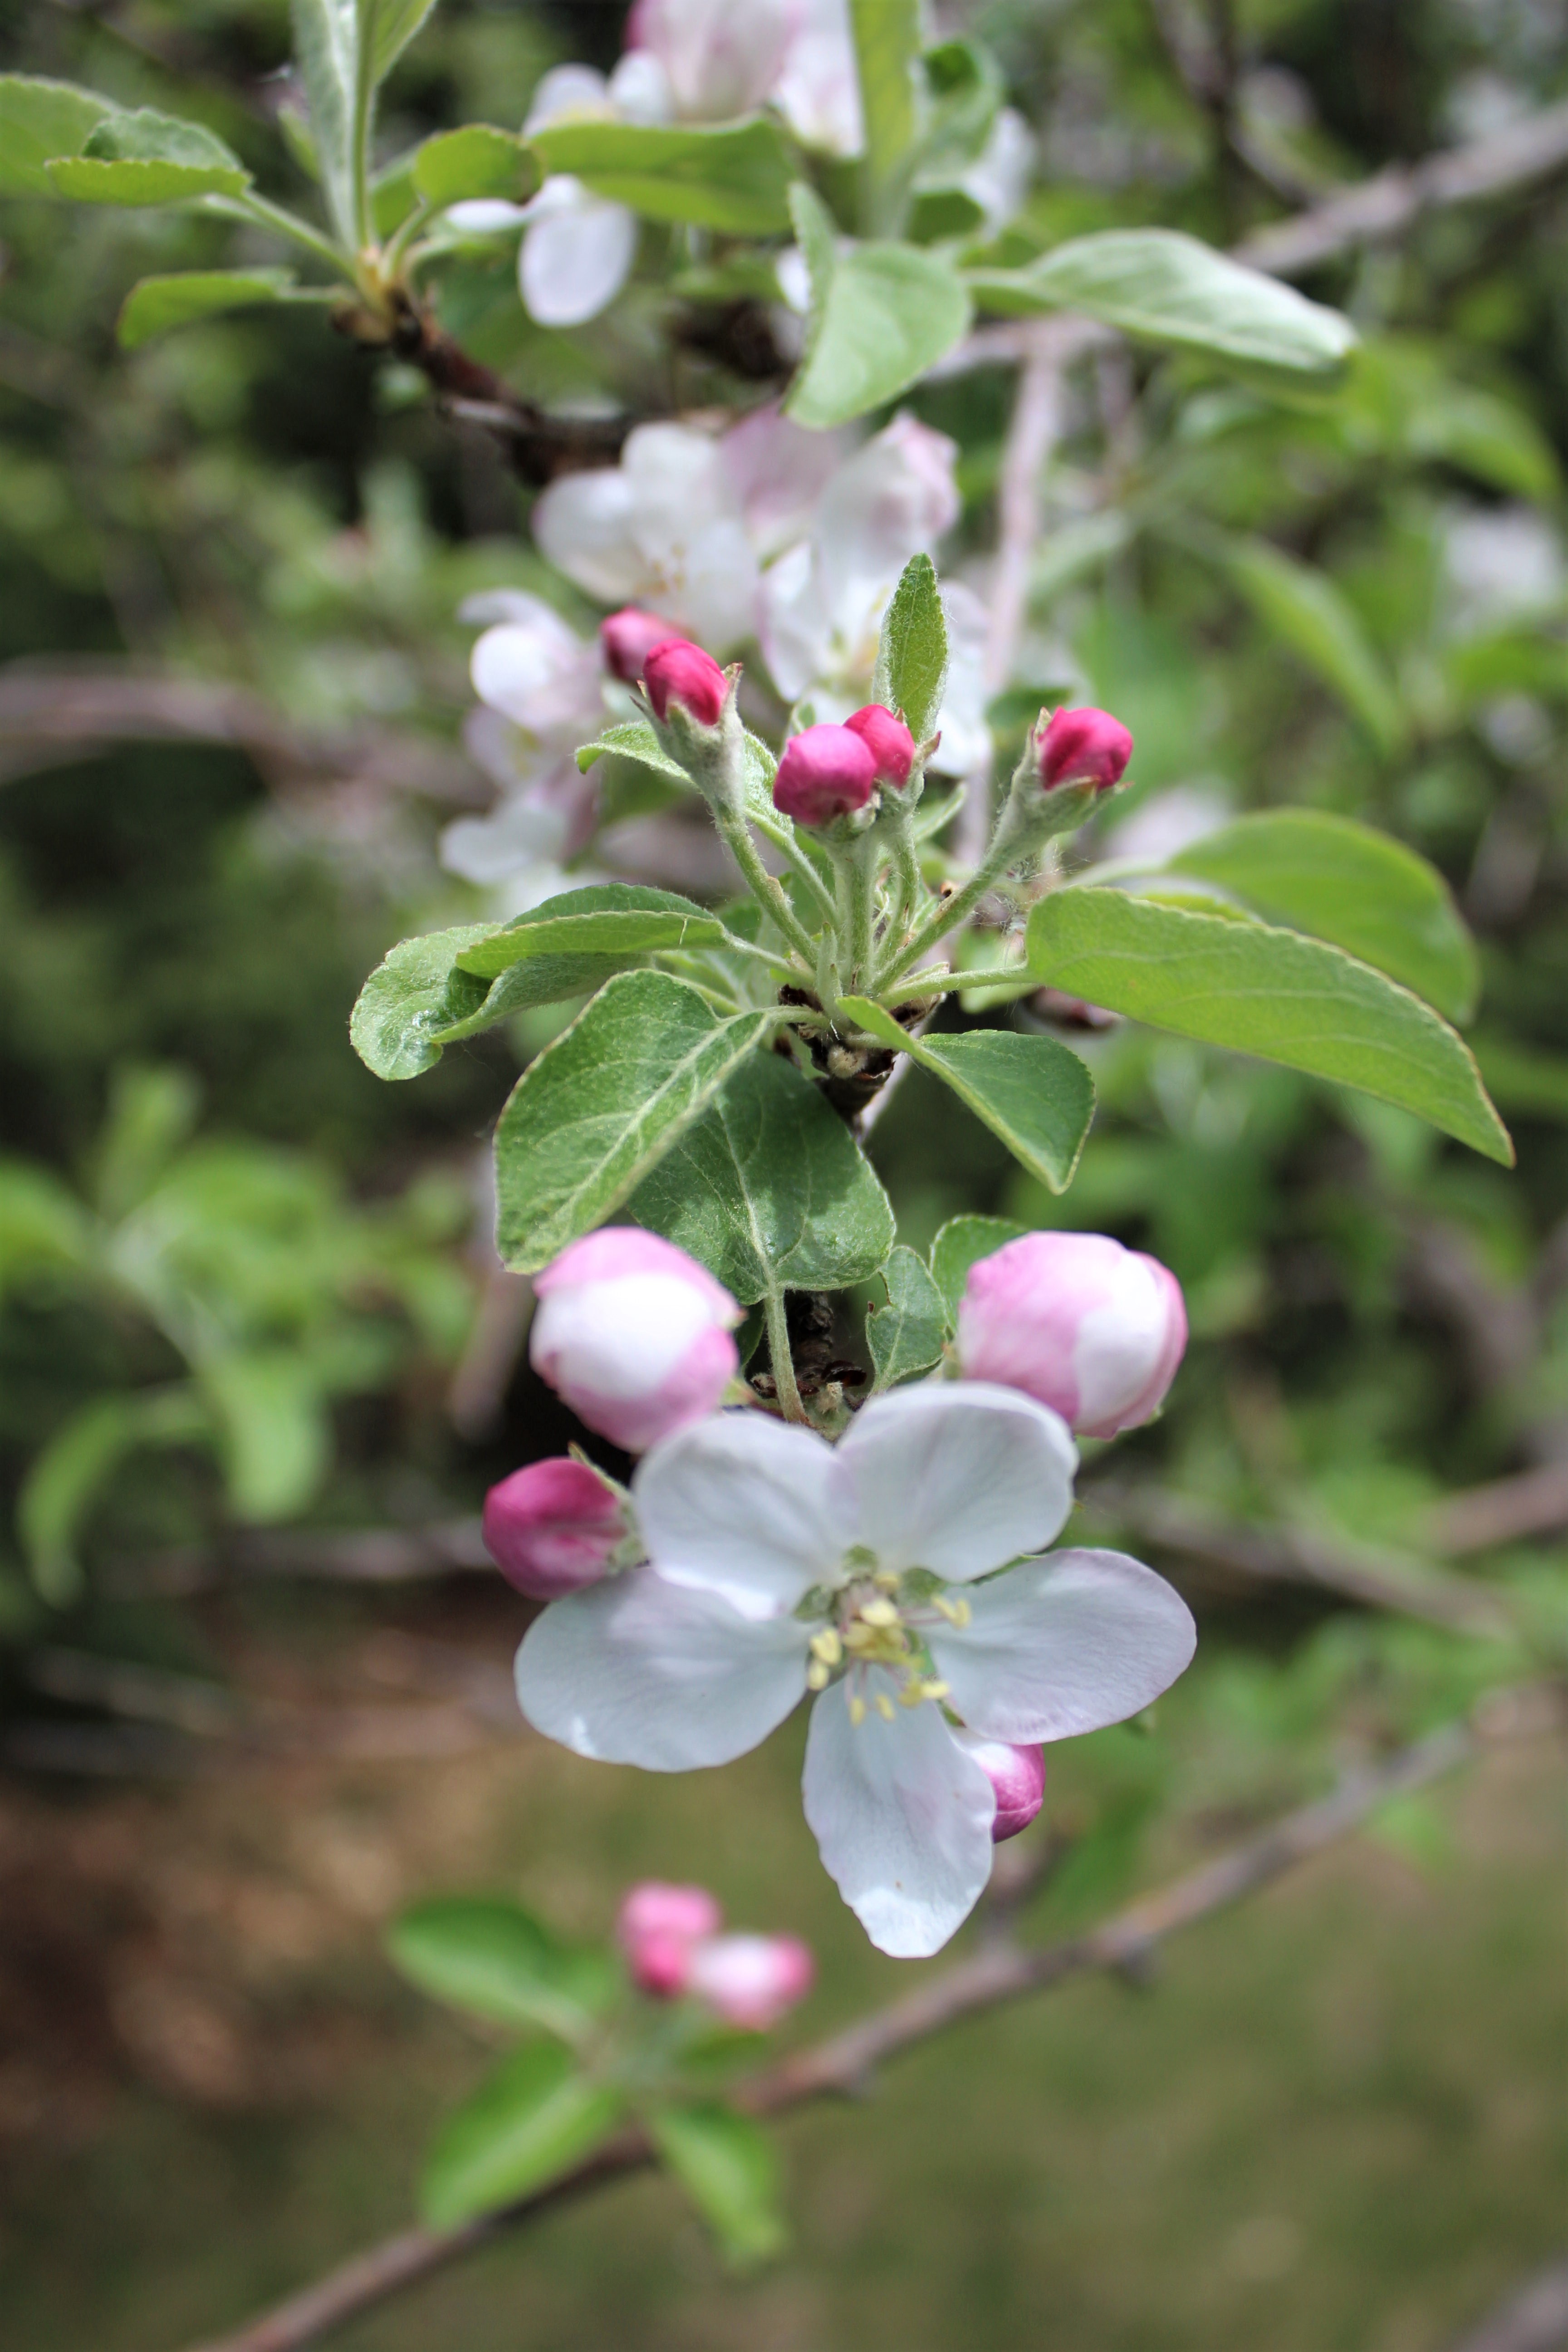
578,248
1084,747
752,1981
634,1335
555,1525
888,740
658,1929
1017,1775
1091,1328
825,771
780,1564
679,671
718,59
628,637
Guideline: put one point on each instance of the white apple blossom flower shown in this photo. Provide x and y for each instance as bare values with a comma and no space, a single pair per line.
818,90
865,1571
796,538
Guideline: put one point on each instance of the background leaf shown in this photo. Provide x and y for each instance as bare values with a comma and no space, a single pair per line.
1167,288
769,1189
65,1480
1265,992
389,25
734,179
1344,882
535,2118
609,919
730,2169
40,120
880,315
603,1104
477,160
496,1960
155,305
1308,612
327,48
274,1433
887,36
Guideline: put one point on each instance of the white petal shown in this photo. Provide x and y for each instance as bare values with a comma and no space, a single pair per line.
1063,1645
521,667
819,91
635,1671
966,737
779,470
571,265
902,1818
521,833
583,525
568,94
742,1506
639,88
793,630
485,215
959,1477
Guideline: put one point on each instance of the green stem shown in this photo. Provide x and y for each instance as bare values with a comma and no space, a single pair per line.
765,886
287,224
364,103
954,910
786,841
398,243
781,1361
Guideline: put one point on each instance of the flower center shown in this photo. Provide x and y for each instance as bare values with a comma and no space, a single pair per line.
877,1622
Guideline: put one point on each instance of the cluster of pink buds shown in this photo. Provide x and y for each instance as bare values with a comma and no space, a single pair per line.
1094,1330
671,1936
628,636
640,647
829,770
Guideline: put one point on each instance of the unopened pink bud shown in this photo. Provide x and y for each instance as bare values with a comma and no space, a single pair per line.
677,671
1018,1776
659,1928
752,1981
553,1527
1084,747
629,637
825,771
1094,1330
634,1335
888,740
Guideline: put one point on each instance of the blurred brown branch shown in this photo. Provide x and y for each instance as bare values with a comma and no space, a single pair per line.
51,712
1004,1970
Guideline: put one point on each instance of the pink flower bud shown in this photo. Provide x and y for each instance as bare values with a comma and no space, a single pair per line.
659,1927
888,740
679,671
752,1981
553,1527
1018,1776
629,637
1091,1329
1084,747
634,1335
825,771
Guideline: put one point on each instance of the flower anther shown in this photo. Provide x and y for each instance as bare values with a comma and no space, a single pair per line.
826,772
634,1335
888,740
553,1527
1084,747
866,1574
1091,1328
677,671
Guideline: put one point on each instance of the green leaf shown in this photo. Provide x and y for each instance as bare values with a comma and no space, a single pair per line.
911,654
961,1243
881,316
415,993
614,918
40,120
275,1434
43,1226
65,1480
1265,991
633,739
1310,614
478,161
769,1189
1167,288
537,2117
887,35
734,178
496,1960
603,1104
155,305
389,25
729,2168
1031,1091
905,1337
147,158
1346,883
327,44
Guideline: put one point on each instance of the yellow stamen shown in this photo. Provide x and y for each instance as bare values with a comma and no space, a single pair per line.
826,1646
886,1580
884,1706
957,1612
859,1637
878,1612
816,1675
857,1712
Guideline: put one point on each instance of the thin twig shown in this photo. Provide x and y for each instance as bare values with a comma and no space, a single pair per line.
1002,1971
1533,1503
